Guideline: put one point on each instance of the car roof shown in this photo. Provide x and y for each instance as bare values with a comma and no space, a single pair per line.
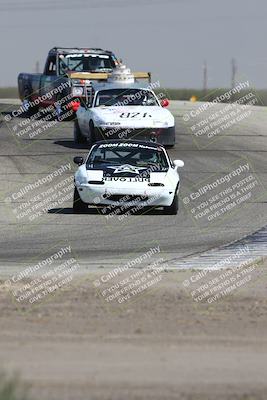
146,143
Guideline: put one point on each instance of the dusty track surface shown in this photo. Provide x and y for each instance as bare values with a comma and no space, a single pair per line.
164,346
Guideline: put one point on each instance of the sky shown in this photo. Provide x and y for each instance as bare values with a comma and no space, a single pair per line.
170,38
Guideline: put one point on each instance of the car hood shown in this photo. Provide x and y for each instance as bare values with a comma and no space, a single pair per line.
143,116
127,176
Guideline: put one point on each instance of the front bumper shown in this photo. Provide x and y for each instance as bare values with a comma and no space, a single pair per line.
98,195
164,136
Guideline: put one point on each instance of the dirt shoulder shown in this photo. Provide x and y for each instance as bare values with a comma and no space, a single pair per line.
161,345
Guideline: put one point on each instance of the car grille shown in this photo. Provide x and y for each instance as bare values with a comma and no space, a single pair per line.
125,198
124,133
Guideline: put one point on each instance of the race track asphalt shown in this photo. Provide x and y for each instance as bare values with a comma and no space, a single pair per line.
98,240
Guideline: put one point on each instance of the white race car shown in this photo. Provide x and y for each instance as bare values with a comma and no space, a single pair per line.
127,174
122,109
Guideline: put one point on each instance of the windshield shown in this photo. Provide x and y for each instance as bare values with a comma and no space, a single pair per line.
118,154
125,97
86,63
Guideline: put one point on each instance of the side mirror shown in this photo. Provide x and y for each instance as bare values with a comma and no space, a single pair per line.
178,163
165,103
78,160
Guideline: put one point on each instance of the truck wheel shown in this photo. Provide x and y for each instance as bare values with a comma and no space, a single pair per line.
32,111
91,138
27,98
78,205
173,208
77,134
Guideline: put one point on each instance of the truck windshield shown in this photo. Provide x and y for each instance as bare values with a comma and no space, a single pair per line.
125,97
85,63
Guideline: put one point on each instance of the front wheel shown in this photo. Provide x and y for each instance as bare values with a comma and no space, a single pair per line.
77,134
78,205
173,208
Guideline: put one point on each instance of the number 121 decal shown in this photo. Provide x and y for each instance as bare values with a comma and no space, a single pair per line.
135,114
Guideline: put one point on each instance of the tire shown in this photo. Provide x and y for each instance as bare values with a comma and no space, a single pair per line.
31,110
91,139
77,134
174,207
78,205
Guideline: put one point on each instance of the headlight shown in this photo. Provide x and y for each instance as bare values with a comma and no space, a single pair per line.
77,91
160,123
82,180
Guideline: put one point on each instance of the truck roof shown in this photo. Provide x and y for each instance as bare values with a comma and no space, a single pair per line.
69,50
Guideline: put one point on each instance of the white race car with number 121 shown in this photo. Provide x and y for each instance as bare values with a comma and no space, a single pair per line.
124,110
